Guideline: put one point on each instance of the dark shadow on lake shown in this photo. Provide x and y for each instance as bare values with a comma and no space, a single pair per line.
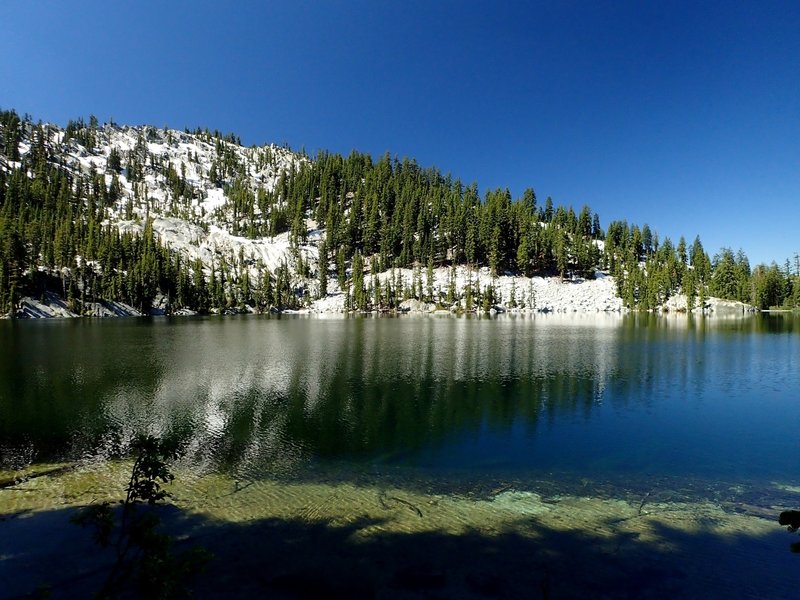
301,559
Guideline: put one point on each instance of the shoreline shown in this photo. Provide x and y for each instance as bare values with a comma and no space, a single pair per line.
544,296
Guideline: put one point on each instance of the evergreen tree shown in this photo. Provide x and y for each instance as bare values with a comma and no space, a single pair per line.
322,268
359,293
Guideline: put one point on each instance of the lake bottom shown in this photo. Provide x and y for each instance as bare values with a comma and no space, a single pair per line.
399,533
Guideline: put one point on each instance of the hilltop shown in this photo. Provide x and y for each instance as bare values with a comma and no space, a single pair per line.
103,219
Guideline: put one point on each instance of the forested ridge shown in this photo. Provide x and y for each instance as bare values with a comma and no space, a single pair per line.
84,211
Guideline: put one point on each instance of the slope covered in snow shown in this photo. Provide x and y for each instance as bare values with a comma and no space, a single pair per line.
199,220
222,208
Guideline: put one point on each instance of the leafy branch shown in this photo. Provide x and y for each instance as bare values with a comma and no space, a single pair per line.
144,557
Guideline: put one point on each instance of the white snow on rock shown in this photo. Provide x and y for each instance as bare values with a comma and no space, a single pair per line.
531,294
679,303
332,303
414,305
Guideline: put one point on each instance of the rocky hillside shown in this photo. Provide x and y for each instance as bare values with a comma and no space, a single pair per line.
231,234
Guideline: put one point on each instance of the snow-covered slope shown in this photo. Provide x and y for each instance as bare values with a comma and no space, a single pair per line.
199,227
534,294
181,183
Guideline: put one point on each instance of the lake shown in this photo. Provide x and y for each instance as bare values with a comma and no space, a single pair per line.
515,456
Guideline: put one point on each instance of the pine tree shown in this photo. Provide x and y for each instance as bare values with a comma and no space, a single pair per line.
114,163
359,293
429,280
451,287
322,268
376,292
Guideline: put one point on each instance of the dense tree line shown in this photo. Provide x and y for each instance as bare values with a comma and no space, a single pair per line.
377,216
405,216
52,237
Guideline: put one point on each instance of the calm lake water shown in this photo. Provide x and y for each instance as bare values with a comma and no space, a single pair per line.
638,409
584,395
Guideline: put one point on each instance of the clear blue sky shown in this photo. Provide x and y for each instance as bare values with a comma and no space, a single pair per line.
682,115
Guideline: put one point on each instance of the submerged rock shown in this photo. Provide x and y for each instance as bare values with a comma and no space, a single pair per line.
526,503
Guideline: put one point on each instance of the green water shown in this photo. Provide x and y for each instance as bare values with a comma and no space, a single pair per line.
664,436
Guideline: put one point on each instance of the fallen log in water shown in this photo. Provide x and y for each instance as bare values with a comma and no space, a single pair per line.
10,482
383,497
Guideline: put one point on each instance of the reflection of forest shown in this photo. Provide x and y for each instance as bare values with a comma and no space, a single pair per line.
363,387
269,391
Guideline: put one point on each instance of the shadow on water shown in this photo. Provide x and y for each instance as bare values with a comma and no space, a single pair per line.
299,559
